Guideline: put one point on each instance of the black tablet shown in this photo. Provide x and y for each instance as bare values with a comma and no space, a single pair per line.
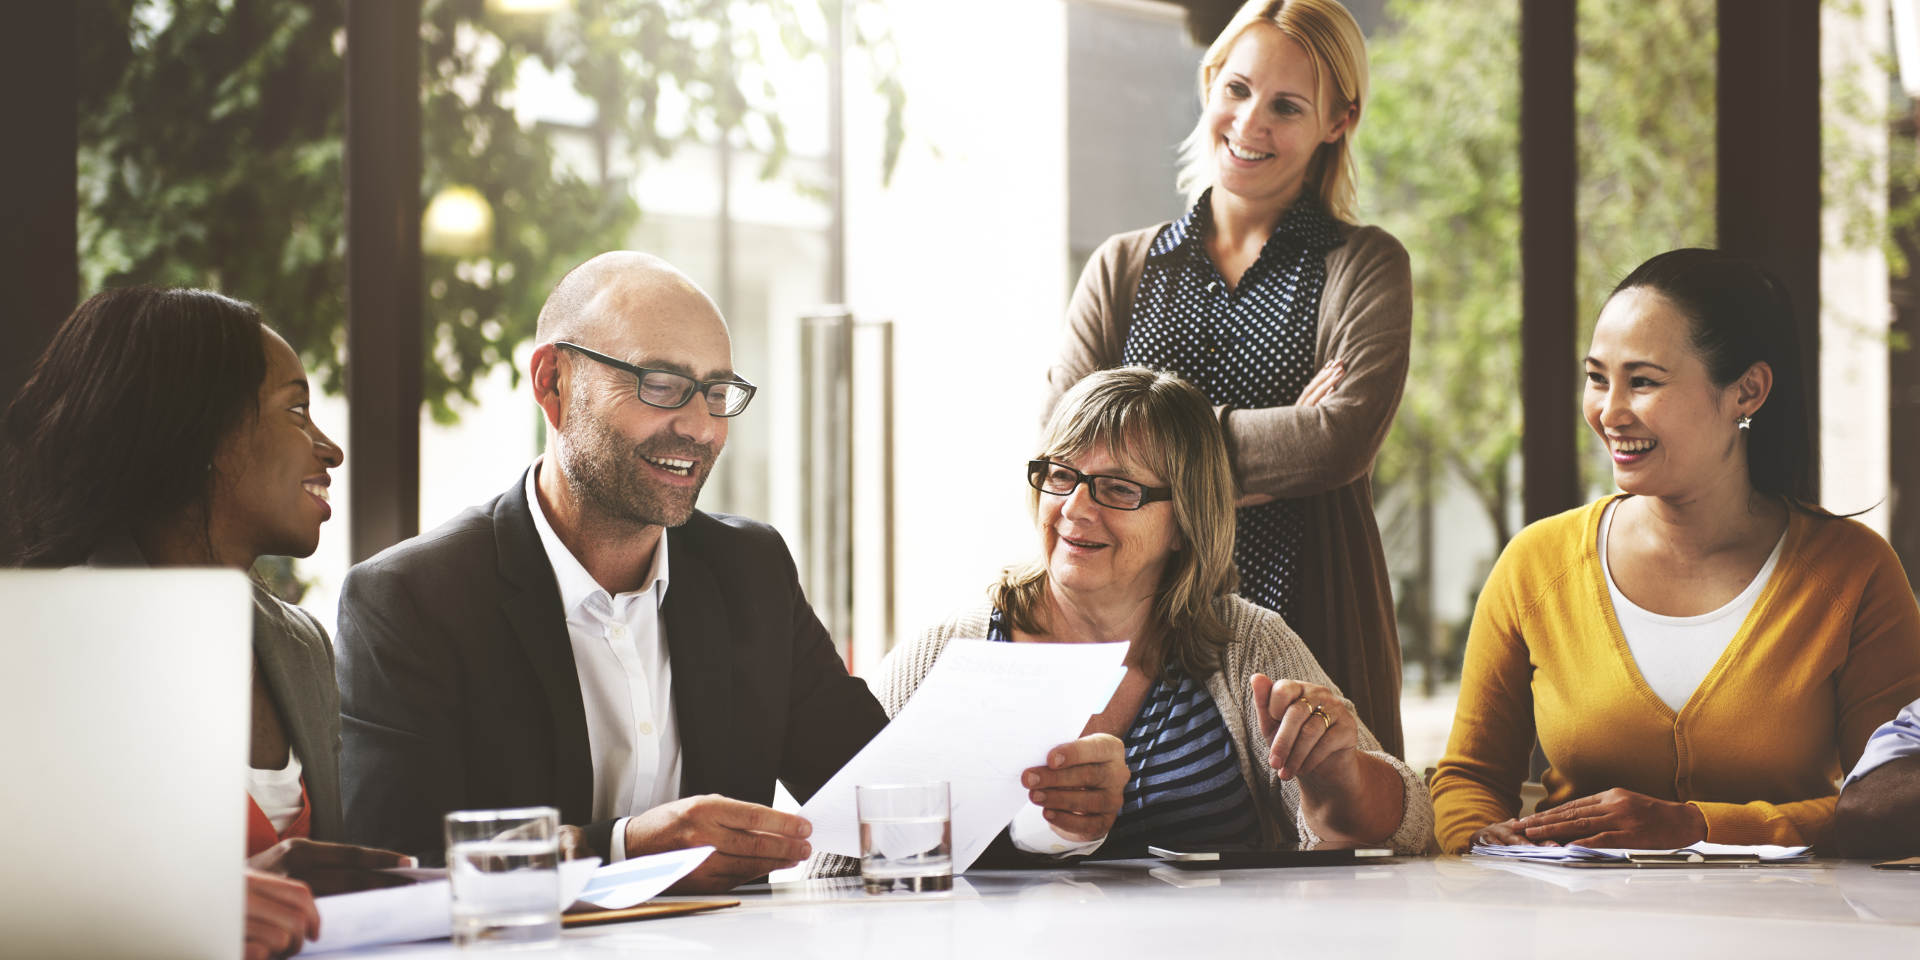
1239,858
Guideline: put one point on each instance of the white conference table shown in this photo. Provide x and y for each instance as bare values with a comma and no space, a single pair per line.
1427,908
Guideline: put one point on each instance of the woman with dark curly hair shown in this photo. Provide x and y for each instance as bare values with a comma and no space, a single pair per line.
171,428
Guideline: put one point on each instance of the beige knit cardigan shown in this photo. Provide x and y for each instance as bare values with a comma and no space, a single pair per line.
1259,642
1323,453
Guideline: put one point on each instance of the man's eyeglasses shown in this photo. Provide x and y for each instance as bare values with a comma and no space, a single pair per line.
671,391
1116,492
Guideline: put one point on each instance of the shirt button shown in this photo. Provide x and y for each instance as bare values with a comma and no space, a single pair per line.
646,729
1059,847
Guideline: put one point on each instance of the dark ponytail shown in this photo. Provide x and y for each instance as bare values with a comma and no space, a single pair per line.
1741,316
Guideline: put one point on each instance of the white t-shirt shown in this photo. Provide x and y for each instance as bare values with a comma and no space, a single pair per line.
277,792
1675,653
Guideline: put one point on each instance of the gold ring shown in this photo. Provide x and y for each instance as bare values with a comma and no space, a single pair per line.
1322,714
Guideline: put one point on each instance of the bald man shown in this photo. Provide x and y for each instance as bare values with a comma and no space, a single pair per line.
590,641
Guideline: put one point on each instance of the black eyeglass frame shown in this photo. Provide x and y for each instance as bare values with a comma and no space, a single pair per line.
1036,477
700,387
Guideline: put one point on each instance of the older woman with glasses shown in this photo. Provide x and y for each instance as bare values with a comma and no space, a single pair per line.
1233,733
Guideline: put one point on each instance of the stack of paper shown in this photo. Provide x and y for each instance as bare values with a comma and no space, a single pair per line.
1697,853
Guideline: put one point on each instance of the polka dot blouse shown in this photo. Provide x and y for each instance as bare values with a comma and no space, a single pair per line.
1251,346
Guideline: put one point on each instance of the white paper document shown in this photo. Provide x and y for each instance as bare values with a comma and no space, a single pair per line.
422,911
630,883
983,715
1697,853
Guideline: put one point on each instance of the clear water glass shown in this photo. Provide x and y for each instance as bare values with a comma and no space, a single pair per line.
906,837
504,866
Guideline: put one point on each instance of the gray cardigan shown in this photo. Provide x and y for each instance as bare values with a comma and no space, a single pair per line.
1260,642
293,655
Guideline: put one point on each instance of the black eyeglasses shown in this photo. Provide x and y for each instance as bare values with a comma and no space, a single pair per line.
1116,492
671,391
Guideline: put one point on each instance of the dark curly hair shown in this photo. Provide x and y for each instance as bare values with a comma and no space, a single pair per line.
117,426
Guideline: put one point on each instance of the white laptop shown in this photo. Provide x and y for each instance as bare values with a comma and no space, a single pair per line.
124,719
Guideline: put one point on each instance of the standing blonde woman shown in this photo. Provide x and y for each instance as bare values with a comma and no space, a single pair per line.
1290,317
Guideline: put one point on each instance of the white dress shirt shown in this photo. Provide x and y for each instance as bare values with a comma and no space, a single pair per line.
626,681
1897,738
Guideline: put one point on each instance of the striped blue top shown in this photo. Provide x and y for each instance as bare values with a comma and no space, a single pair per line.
1186,789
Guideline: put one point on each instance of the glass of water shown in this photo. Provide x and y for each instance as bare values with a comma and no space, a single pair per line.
906,839
505,869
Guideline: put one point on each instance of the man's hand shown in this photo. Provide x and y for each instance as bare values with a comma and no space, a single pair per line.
574,845
748,840
1617,818
1080,789
331,868
281,916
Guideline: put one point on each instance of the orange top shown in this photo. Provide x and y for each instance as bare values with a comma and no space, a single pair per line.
260,832
1830,651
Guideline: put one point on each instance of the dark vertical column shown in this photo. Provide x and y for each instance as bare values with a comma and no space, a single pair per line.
1903,377
1550,473
39,199
39,202
1769,158
383,272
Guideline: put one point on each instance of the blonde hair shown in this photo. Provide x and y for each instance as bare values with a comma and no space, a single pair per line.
1332,39
1161,423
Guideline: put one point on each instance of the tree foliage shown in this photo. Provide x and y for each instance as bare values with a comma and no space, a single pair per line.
1440,151
1440,147
212,155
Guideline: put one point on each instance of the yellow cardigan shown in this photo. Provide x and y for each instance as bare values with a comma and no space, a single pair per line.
1830,651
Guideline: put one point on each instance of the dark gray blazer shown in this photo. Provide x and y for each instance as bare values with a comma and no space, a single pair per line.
291,652
459,690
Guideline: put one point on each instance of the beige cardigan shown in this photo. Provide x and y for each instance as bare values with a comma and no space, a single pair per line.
1260,643
1323,453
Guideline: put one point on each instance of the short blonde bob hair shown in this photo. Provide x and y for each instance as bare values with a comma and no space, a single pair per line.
1339,53
1160,423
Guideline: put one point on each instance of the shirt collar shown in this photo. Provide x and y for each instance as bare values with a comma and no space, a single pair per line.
1188,232
1305,226
577,586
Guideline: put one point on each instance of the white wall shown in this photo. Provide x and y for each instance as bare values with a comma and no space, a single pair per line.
966,250
1854,309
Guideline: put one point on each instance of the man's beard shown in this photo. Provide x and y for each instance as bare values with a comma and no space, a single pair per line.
610,476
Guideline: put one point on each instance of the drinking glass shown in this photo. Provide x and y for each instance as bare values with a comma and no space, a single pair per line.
504,866
906,839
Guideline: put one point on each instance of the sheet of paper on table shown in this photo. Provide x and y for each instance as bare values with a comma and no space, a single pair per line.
632,882
420,911
985,713
1573,853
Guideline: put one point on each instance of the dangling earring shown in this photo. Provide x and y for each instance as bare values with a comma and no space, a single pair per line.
1746,423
